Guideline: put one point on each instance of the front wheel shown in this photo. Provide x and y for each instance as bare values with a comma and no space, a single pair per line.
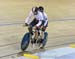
25,41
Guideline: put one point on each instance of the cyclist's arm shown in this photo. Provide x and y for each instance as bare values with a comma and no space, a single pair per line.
28,19
46,22
46,19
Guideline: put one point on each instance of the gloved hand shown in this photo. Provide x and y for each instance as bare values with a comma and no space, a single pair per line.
26,24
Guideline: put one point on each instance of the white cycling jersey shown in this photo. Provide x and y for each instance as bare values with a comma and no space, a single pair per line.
40,16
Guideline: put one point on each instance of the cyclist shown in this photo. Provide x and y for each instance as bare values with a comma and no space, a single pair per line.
44,24
36,21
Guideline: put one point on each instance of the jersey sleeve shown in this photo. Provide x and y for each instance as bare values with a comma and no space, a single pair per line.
46,19
28,19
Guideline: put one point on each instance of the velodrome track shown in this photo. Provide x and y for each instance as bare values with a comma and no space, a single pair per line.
61,27
61,33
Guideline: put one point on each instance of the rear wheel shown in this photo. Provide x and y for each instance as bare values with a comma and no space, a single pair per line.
45,39
25,41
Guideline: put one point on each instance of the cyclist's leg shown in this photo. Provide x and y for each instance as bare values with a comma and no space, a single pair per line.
42,32
37,29
36,33
32,24
43,28
42,41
